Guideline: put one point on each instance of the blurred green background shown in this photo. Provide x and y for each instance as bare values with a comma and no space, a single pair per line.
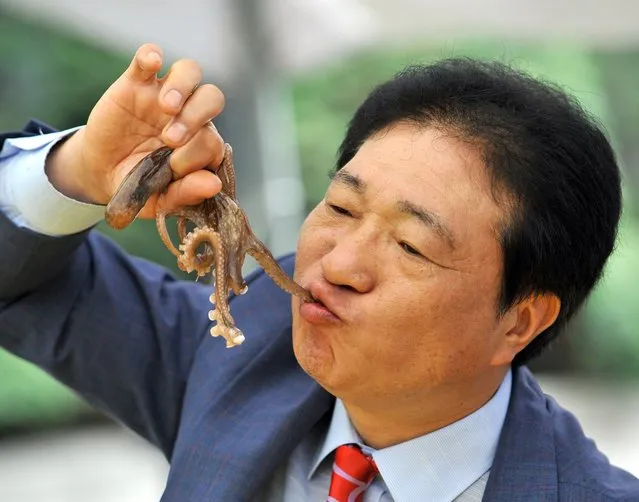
71,75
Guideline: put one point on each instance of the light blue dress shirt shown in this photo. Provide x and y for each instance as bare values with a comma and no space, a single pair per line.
450,464
27,197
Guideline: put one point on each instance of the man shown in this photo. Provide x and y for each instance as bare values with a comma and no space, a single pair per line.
472,210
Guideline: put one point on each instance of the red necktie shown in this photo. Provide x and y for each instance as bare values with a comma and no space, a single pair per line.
353,472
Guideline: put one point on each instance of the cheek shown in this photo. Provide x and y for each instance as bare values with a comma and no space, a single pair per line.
314,242
441,328
465,303
467,299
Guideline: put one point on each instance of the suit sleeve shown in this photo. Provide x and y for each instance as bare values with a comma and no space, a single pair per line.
120,331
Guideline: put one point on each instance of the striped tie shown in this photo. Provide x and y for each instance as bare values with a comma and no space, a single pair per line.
353,472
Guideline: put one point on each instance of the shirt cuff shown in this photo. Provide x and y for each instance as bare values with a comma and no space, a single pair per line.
27,196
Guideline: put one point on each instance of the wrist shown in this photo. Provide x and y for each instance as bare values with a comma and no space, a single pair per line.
66,172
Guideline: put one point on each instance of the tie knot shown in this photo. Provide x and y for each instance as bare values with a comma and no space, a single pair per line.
353,472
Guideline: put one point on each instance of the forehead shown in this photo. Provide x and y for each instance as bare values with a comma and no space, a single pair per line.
408,153
432,169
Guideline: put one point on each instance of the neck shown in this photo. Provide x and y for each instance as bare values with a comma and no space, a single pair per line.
386,422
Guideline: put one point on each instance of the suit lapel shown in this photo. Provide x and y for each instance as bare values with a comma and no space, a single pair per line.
525,465
230,444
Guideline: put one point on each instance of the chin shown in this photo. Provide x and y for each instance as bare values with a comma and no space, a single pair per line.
313,354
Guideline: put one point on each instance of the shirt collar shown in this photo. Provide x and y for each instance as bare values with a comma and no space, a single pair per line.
422,468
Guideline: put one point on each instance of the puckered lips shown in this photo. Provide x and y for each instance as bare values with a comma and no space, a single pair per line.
325,309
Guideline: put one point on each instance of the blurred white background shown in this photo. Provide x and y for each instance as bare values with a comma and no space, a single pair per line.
269,57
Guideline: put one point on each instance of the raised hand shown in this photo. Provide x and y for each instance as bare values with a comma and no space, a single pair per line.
137,114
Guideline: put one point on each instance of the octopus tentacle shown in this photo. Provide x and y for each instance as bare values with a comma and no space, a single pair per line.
193,215
221,313
226,173
260,252
236,280
192,261
206,256
181,227
160,221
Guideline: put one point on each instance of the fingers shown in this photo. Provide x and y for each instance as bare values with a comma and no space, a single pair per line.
206,103
190,190
204,149
190,133
145,64
179,94
183,77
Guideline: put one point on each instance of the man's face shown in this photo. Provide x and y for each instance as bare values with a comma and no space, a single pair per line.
404,251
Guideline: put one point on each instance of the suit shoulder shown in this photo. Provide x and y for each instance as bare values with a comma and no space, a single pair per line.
584,472
260,279
265,305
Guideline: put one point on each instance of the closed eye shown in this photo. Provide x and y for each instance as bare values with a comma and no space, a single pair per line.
339,210
410,250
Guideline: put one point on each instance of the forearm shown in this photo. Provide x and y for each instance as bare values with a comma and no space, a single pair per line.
74,304
119,331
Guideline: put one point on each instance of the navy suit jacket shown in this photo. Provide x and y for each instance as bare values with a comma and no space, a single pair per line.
133,341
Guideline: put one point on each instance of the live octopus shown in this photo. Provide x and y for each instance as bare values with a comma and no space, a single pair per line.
219,242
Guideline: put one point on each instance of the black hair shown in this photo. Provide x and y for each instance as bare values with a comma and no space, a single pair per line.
550,164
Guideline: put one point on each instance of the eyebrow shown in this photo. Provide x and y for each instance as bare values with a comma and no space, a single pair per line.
351,181
426,217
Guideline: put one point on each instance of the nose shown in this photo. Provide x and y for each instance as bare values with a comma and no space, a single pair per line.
351,262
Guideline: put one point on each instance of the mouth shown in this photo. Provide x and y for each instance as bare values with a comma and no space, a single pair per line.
319,310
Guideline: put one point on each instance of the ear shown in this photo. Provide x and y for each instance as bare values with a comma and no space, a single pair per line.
524,322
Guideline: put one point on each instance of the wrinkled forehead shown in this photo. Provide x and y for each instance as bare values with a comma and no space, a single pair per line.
427,167
422,159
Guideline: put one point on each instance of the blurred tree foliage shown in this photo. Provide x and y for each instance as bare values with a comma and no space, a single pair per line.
50,75
620,78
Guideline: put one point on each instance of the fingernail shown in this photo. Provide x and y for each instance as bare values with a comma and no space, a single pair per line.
155,55
173,98
176,132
